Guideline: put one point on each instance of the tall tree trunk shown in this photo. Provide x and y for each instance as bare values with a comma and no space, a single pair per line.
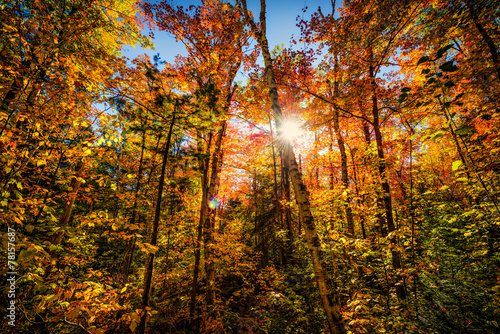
484,34
148,274
279,221
359,199
8,98
285,180
75,185
204,165
323,281
330,160
343,159
129,255
380,205
386,189
210,217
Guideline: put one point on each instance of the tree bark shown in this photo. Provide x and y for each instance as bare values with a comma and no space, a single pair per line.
323,281
9,97
210,217
127,260
386,189
204,165
148,274
343,160
279,221
75,185
285,180
487,39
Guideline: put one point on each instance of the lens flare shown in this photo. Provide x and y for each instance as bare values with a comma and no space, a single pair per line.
213,203
290,130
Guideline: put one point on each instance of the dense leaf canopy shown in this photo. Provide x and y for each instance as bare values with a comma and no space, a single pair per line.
349,185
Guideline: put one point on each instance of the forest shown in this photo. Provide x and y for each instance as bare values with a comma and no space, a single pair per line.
349,183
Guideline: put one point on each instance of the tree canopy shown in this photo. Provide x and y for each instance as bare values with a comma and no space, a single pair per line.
350,184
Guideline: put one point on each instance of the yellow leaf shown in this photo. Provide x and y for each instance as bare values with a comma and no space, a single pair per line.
456,164
151,248
135,320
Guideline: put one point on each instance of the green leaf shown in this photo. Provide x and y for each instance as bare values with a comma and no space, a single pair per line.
447,104
448,67
402,97
405,89
430,81
456,164
442,51
449,84
422,60
437,135
464,129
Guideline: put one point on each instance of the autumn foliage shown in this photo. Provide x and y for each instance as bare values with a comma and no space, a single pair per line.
162,197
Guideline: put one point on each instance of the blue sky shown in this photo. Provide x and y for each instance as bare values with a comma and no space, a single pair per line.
281,25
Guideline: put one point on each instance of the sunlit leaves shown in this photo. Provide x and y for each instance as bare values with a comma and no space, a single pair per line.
456,165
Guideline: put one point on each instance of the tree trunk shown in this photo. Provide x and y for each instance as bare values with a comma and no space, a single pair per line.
75,185
386,190
323,281
210,217
204,165
8,98
330,160
285,180
359,200
345,175
341,145
127,259
148,274
279,221
487,39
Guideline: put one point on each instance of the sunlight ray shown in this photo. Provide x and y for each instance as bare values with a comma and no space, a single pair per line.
290,130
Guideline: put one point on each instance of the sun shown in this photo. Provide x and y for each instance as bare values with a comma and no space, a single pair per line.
290,130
